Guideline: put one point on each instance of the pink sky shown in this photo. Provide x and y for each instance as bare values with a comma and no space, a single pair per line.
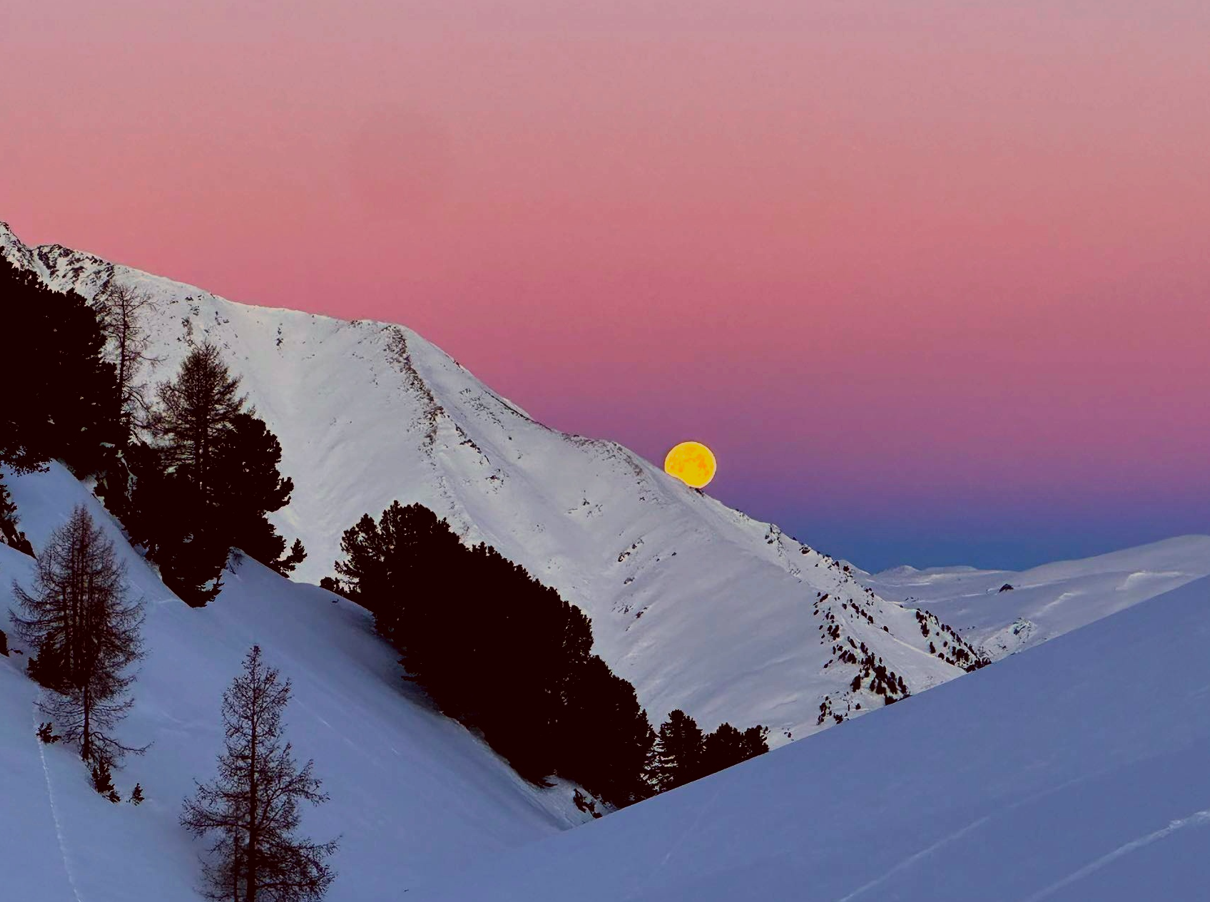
946,257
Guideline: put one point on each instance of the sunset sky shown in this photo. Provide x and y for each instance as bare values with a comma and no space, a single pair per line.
932,279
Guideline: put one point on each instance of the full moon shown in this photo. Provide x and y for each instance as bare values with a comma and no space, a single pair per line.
692,463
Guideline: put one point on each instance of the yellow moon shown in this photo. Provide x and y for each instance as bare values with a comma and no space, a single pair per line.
692,463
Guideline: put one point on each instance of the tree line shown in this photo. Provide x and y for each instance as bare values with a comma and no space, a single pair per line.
507,656
191,472
187,466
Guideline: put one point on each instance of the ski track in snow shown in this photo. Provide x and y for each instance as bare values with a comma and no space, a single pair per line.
912,859
54,813
676,844
1197,819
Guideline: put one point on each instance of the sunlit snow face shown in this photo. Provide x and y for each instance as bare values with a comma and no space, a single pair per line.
692,463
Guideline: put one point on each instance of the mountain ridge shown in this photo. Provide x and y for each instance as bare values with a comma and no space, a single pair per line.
368,413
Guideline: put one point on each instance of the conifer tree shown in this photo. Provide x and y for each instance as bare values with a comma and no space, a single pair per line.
62,400
252,486
455,613
207,481
678,752
252,809
196,416
86,635
102,781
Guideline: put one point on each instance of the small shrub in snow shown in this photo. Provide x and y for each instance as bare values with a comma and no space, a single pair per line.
136,795
102,781
46,733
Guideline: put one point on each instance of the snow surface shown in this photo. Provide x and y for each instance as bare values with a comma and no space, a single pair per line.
697,605
1047,601
1076,771
413,794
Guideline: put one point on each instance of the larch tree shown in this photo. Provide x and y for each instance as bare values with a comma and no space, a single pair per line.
121,311
253,808
86,636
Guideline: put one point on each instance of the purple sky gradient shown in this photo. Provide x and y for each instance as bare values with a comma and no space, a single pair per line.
930,278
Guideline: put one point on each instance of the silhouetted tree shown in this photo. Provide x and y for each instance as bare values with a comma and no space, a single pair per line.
678,752
62,399
207,481
196,416
727,746
121,310
506,655
499,651
252,809
86,635
250,486
607,741
102,781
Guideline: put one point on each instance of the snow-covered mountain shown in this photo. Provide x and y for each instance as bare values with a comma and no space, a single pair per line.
1004,612
413,794
1076,771
699,606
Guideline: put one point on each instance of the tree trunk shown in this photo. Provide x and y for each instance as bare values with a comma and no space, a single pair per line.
253,837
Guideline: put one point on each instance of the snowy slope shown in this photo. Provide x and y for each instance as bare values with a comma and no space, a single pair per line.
1076,771
699,606
412,793
1047,601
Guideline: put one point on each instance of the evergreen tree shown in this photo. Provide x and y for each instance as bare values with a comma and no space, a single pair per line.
207,481
722,748
456,614
102,781
196,417
408,554
679,747
252,809
607,742
251,486
755,742
297,554
65,403
86,635
136,795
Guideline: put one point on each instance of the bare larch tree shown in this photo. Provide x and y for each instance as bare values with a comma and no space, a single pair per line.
122,308
86,635
253,806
